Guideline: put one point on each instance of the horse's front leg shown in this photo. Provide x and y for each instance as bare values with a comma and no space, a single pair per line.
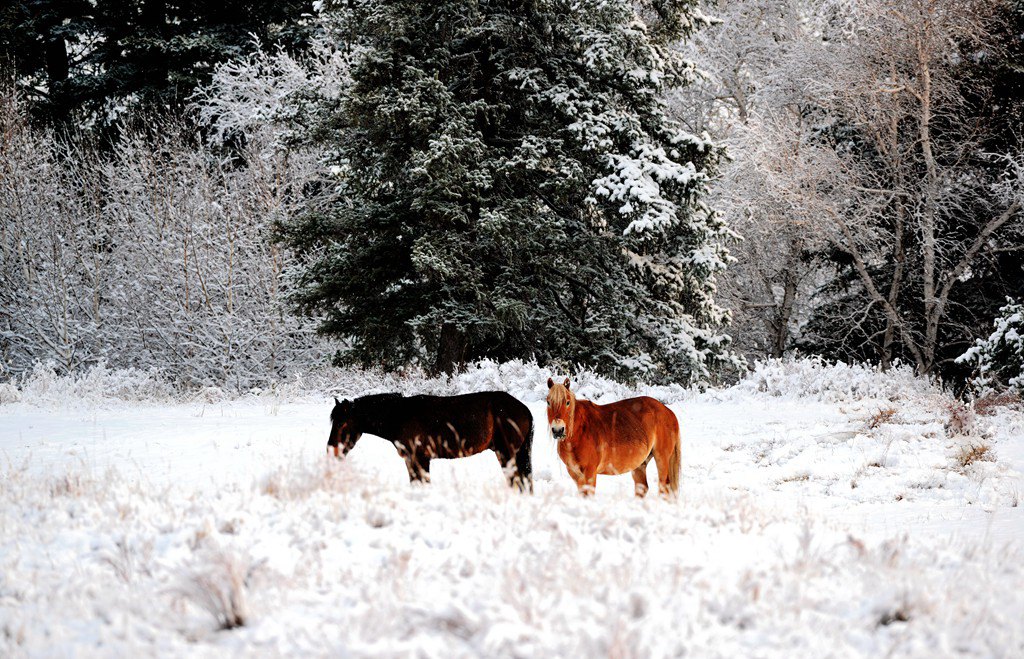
417,464
587,482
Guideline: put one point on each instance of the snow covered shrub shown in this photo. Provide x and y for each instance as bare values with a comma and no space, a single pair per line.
208,308
831,382
523,379
999,359
990,403
528,381
962,419
153,254
84,482
881,417
53,250
44,385
972,453
9,393
128,558
296,481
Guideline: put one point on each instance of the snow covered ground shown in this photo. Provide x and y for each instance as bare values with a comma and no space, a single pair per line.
825,511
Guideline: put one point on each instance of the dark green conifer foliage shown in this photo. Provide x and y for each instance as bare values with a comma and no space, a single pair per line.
510,187
92,59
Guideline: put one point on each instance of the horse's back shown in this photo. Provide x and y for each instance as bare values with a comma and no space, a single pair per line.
640,421
471,403
645,409
467,398
478,418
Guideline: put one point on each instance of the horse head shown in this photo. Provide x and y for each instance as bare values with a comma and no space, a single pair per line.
561,408
344,433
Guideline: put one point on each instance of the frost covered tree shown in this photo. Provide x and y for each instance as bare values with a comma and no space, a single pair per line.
509,185
752,100
876,175
920,190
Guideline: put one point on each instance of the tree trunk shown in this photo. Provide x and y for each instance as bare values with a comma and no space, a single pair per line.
451,349
894,288
153,61
789,285
928,213
57,71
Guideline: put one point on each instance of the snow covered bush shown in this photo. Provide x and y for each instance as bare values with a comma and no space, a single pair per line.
152,254
44,385
53,249
804,378
9,393
525,380
262,97
819,379
999,359
204,298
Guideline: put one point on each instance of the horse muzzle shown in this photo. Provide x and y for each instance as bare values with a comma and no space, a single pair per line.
558,432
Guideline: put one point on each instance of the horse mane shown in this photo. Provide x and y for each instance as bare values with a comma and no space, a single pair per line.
371,401
584,417
376,399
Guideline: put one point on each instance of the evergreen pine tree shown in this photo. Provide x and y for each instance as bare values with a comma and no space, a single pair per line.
510,186
998,360
99,56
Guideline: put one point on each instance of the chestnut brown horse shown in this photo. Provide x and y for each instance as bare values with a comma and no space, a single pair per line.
614,439
425,427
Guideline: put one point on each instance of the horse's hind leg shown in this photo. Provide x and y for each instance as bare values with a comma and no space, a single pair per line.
513,468
419,471
640,478
524,466
667,458
508,466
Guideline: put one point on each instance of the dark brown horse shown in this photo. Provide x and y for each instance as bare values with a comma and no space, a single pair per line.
425,427
616,438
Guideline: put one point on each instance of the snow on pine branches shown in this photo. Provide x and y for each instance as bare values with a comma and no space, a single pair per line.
999,358
510,186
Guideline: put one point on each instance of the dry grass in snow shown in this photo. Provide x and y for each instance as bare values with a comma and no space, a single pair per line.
804,527
354,567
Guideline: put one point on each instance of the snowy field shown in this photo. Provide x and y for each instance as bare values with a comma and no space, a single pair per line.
825,511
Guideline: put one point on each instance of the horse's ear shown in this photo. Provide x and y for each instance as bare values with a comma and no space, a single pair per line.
566,383
336,401
551,383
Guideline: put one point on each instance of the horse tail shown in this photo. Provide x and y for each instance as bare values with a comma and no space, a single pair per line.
524,459
673,465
